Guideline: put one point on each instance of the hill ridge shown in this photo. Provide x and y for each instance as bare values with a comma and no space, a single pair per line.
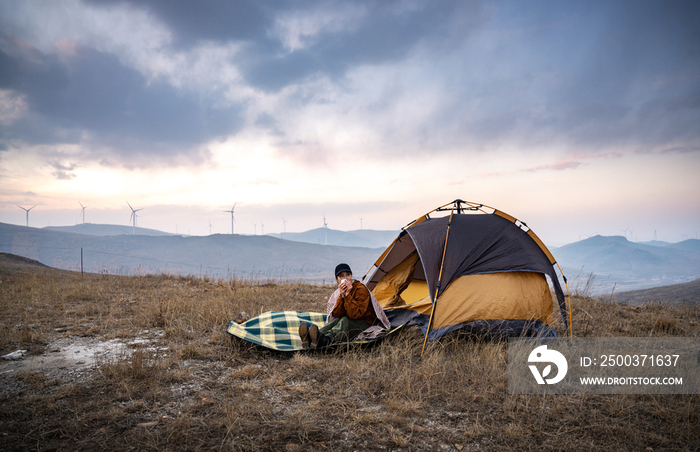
219,255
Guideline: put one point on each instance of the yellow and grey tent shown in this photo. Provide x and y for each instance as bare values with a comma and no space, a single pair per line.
476,268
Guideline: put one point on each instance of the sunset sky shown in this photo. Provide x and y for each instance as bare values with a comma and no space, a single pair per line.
579,118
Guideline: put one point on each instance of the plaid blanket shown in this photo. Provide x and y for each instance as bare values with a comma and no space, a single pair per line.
278,330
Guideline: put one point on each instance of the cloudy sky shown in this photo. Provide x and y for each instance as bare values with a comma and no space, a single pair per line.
579,118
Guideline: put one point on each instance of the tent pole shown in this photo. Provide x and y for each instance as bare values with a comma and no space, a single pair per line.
568,299
430,322
437,288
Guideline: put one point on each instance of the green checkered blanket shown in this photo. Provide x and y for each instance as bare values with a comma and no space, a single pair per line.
278,330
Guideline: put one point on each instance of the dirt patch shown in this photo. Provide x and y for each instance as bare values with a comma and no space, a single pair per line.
73,358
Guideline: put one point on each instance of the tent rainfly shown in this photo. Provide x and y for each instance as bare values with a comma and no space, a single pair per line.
476,268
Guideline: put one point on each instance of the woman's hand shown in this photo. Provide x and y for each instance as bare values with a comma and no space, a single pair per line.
345,287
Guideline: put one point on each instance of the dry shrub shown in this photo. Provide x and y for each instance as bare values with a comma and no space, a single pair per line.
247,372
300,424
29,334
665,325
138,375
594,317
404,406
431,378
35,381
191,351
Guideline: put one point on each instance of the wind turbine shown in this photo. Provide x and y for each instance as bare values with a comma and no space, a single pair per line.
284,227
262,226
26,210
325,230
209,227
84,207
360,223
625,231
231,211
255,225
133,215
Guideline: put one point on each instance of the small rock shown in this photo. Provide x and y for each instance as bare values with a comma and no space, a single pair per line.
148,424
14,356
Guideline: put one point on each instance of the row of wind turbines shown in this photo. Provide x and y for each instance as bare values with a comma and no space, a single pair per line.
132,219
133,213
255,225
233,221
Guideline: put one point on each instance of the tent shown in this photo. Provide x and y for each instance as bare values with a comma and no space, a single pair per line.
476,268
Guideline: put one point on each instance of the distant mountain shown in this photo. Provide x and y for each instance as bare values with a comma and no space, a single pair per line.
628,265
683,294
106,229
367,238
655,243
215,255
691,245
615,263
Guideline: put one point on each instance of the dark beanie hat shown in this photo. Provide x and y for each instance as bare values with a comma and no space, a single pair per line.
340,268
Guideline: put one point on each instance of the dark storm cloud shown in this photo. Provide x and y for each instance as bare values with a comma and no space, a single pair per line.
94,92
386,34
595,74
267,121
218,20
388,30
635,75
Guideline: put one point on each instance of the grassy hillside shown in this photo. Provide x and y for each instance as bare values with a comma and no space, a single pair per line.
674,295
192,387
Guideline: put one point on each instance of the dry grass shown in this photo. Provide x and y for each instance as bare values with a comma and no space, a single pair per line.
212,392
